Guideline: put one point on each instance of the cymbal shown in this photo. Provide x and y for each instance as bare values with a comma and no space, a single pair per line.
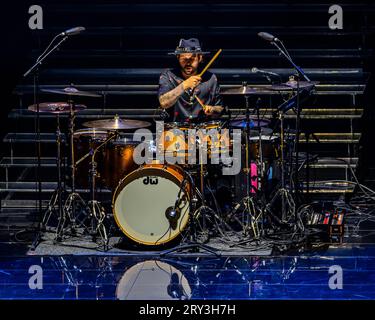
72,91
240,122
263,131
292,85
117,124
55,107
241,90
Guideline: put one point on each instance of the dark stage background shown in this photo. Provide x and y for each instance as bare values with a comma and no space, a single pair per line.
125,47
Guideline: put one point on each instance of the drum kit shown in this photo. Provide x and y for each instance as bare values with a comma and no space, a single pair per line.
155,203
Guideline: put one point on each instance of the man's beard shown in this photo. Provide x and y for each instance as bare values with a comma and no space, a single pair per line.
189,70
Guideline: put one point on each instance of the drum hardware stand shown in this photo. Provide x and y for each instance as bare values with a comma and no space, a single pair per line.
308,161
97,212
69,210
250,220
56,198
192,244
299,73
35,70
283,193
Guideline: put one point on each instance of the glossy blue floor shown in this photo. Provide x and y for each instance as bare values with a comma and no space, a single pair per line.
306,273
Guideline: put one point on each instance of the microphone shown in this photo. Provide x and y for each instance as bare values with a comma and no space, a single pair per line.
173,214
73,31
267,36
256,70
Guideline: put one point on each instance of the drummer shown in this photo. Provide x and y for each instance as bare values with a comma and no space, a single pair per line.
179,87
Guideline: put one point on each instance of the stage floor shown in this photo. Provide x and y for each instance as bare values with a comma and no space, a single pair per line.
302,274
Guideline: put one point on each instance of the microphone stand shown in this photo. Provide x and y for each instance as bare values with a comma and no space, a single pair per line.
300,73
192,244
35,70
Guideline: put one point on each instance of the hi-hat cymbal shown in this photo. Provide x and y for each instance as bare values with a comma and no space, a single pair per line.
72,91
240,122
292,85
117,124
55,107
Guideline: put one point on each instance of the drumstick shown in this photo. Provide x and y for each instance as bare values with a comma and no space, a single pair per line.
201,103
211,62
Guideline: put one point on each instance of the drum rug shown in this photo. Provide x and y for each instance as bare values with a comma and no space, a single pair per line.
84,245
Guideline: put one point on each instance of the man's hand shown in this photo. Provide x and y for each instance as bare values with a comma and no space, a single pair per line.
191,82
211,110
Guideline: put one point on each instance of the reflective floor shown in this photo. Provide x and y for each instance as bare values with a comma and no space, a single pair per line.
300,276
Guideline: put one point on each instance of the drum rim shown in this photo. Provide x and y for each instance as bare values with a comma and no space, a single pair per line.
90,133
119,142
177,125
156,167
211,122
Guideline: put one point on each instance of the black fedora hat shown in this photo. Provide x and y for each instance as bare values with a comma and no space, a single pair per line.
191,45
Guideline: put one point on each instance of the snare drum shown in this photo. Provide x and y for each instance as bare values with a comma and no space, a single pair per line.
145,207
175,140
215,140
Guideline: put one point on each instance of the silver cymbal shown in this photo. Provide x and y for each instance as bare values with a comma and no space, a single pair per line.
55,107
72,91
117,123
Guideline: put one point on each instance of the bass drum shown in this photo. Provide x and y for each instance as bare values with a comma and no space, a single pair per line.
144,201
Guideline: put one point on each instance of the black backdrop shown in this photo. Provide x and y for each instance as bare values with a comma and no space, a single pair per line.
125,34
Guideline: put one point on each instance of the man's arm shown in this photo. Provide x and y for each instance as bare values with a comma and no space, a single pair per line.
214,111
169,98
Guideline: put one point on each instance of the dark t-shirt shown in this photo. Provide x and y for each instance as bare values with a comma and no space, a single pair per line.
187,108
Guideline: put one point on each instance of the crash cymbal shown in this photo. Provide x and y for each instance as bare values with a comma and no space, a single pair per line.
292,85
55,107
241,90
117,124
240,122
71,91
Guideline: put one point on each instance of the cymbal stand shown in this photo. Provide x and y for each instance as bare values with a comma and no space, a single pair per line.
73,197
261,165
97,212
288,207
250,220
56,198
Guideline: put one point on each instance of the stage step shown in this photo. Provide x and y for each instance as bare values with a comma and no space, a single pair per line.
22,204
329,187
108,76
31,137
328,137
306,113
334,163
27,162
32,186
